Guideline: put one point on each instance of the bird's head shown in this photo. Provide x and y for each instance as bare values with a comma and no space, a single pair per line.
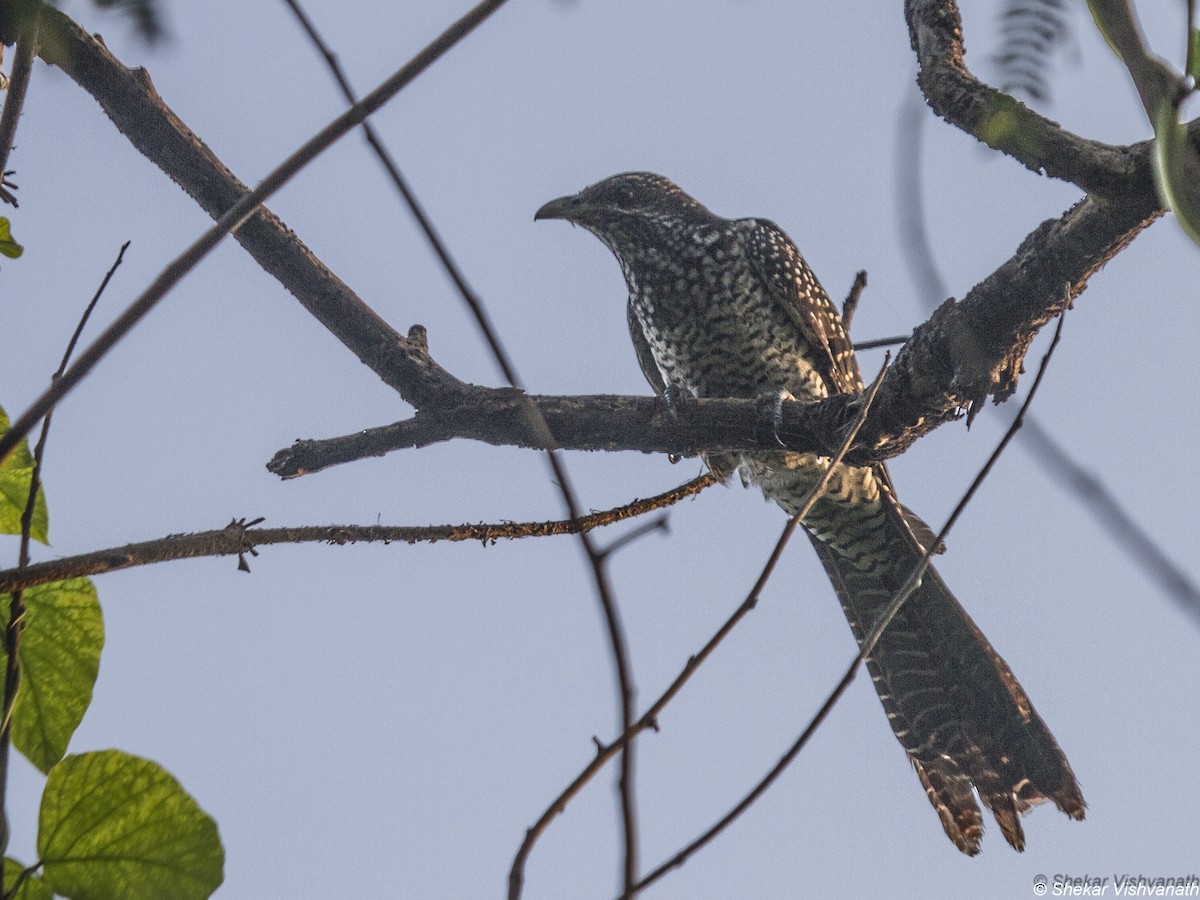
632,208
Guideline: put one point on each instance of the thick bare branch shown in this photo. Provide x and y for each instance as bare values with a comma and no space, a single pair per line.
1006,124
965,352
129,99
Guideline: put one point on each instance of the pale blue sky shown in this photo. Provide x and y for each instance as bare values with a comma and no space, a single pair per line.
378,721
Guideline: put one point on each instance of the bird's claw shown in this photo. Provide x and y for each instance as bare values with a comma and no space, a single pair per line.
675,398
774,399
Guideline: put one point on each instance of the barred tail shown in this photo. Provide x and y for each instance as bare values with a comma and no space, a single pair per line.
953,703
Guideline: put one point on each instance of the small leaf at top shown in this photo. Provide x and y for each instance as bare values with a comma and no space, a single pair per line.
8,247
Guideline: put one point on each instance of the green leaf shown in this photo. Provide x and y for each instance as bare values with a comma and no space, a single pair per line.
59,655
20,458
1174,158
116,825
32,887
14,494
8,247
1194,53
15,473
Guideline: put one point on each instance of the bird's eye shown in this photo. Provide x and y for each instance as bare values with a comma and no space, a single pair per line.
622,195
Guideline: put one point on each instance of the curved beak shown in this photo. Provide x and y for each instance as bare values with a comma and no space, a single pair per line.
563,208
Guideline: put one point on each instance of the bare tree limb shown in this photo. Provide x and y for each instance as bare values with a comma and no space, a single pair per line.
1006,124
14,98
66,45
965,352
237,538
968,349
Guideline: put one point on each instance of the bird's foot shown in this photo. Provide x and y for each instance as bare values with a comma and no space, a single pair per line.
677,400
772,404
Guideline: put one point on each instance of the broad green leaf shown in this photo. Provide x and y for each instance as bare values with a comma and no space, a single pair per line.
115,825
32,887
8,247
15,473
60,657
14,494
1174,157
20,458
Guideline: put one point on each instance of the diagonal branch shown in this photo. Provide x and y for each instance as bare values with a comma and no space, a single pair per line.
14,97
82,57
15,624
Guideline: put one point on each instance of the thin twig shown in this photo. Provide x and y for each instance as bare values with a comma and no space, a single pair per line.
242,210
596,558
868,645
1189,67
658,523
16,612
237,539
649,719
14,99
914,580
850,304
432,236
881,342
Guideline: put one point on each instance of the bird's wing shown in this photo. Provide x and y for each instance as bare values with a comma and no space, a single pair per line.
722,465
645,356
794,286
